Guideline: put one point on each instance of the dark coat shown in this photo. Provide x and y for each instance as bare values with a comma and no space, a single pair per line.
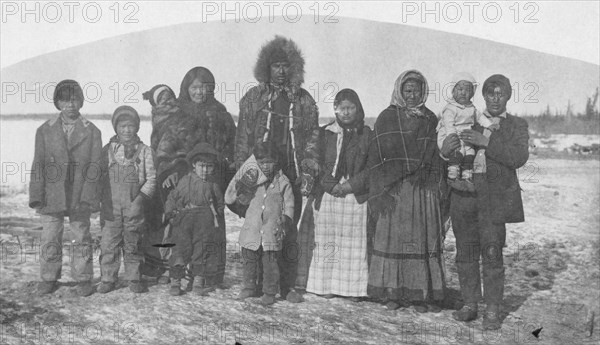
52,188
252,125
356,163
507,151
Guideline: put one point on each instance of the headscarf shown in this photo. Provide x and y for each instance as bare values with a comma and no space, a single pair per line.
500,80
352,96
348,131
201,73
398,99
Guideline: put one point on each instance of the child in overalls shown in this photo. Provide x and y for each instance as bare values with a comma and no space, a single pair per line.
195,207
128,179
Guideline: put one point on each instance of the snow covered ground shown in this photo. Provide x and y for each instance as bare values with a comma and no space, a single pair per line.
552,281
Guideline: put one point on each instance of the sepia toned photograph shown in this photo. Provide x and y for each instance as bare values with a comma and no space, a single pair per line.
300,172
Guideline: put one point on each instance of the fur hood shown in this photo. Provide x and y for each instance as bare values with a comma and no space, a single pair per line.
294,55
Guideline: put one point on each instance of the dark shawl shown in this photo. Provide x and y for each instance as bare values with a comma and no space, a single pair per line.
403,147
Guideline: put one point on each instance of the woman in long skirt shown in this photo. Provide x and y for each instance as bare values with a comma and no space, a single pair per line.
339,261
405,183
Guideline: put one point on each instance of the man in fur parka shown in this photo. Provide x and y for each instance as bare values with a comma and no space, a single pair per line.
281,113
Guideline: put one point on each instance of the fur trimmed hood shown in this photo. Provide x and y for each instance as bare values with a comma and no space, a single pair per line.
262,70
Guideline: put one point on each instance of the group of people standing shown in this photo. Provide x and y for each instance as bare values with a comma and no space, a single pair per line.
338,210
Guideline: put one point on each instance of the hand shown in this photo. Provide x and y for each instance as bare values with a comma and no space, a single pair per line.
494,126
306,185
137,206
474,138
346,188
284,223
450,144
337,191
170,181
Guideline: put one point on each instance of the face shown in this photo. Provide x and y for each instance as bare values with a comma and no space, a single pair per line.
279,72
126,129
70,108
198,91
463,92
204,169
165,97
411,92
267,168
495,100
346,112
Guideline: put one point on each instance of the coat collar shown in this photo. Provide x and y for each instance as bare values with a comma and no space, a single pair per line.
79,134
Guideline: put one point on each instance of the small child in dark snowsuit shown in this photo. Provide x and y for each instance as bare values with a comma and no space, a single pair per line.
194,207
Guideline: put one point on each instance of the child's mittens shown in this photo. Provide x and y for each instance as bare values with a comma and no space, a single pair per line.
284,223
246,186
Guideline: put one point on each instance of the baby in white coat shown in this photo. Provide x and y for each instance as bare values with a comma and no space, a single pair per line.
458,115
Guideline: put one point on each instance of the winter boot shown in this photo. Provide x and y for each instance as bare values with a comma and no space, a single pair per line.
467,313
105,287
85,289
267,299
44,287
491,318
175,289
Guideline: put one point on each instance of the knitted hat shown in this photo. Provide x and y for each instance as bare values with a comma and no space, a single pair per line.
128,112
154,93
204,152
67,89
498,80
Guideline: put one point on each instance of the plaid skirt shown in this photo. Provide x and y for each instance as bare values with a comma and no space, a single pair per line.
407,258
339,261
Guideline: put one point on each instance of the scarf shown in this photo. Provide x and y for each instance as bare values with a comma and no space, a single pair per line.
128,147
480,165
68,125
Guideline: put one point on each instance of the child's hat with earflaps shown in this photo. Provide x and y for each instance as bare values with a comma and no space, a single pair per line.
204,152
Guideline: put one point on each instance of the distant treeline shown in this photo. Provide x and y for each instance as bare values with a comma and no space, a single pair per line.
87,116
542,124
580,124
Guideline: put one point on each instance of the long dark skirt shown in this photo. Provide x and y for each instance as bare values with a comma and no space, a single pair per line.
407,251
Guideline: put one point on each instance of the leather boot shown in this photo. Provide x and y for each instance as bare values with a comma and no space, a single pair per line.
467,313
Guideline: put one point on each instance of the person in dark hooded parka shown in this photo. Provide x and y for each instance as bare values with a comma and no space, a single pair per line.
280,113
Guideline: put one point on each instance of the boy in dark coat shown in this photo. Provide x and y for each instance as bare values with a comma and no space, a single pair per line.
479,218
64,182
195,208
128,182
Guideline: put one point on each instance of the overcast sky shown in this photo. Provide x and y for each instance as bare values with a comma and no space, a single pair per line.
565,28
